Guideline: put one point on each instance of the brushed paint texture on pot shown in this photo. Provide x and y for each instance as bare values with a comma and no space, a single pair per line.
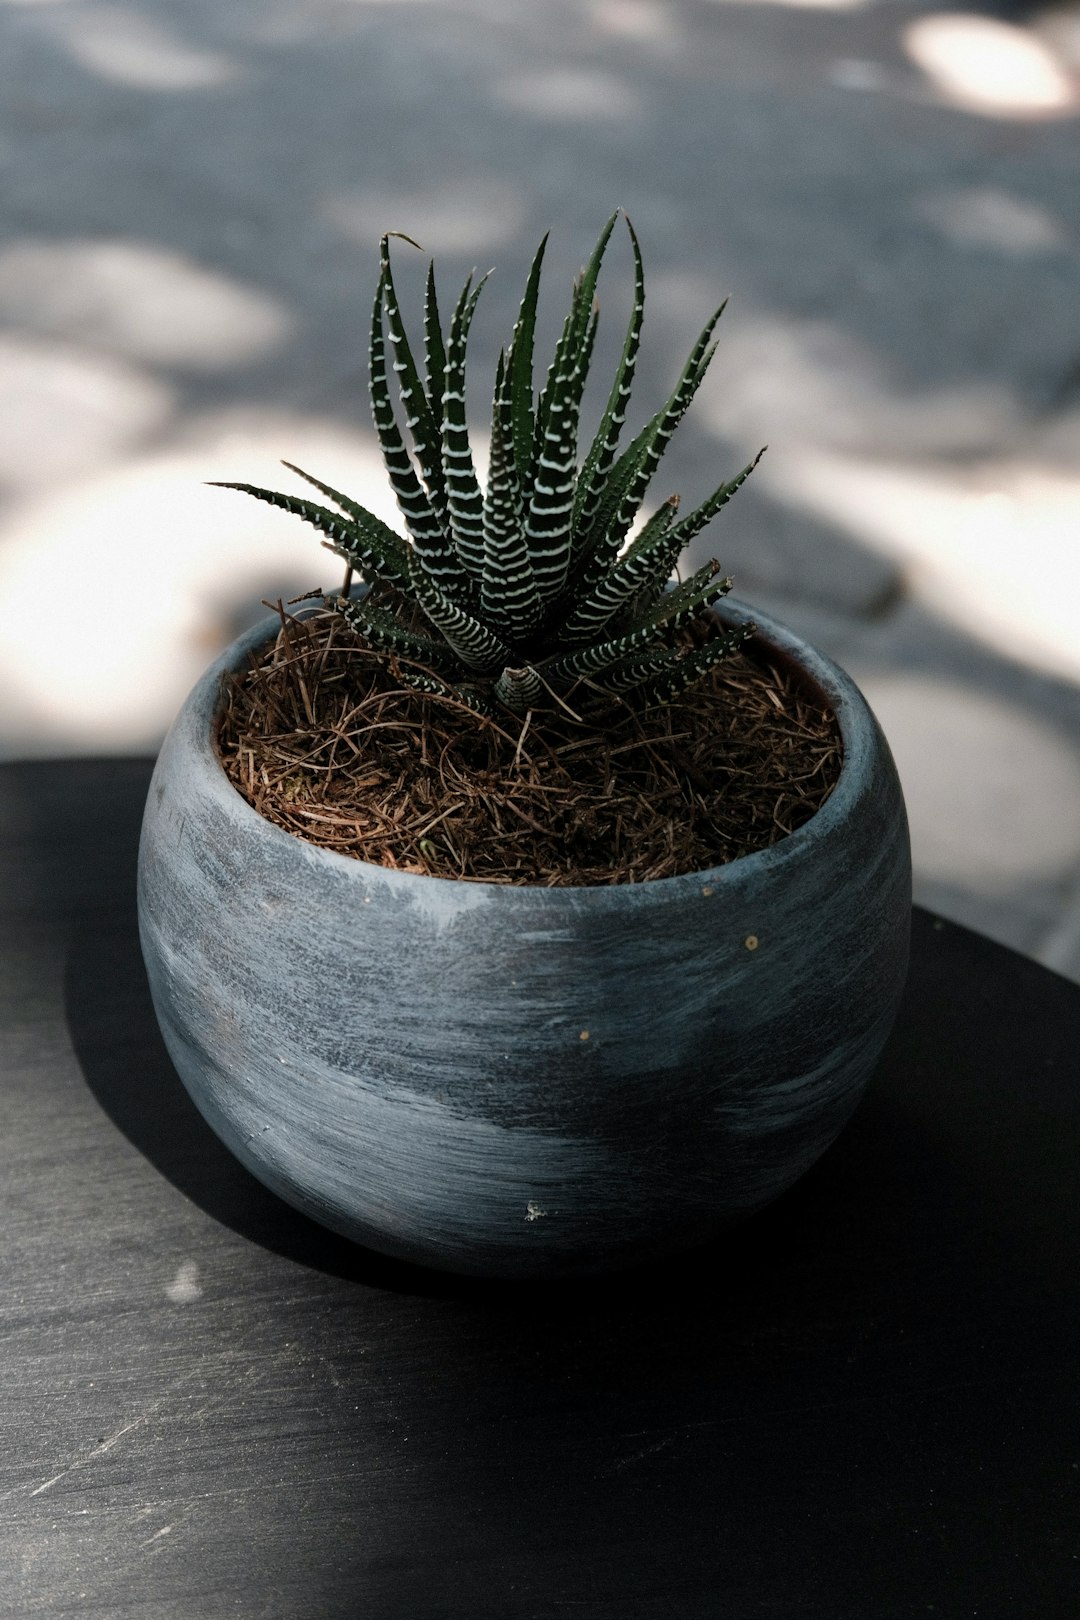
519,1080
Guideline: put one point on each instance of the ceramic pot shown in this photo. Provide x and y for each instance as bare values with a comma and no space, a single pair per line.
520,1081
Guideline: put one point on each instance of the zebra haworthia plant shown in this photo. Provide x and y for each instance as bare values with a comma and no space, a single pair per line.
518,593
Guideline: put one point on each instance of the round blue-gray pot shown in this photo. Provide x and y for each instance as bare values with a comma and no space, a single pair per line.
522,1081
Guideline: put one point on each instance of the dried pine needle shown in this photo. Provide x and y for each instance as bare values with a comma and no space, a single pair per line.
322,739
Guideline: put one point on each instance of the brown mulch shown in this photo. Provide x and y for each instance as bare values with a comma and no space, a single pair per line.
320,737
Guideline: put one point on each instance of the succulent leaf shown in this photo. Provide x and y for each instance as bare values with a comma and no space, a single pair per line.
696,520
509,600
602,450
434,349
421,414
519,689
675,609
384,631
436,687
474,642
463,496
629,674
685,601
650,559
633,472
694,665
550,508
365,542
520,368
425,527
350,507
574,346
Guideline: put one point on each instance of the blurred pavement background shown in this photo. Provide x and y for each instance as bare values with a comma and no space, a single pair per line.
192,198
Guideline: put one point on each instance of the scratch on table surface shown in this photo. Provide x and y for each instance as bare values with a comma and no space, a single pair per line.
637,1456
113,1439
98,1451
165,1530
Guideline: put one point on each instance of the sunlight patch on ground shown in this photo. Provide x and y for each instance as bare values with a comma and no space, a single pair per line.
801,5
126,47
633,19
138,300
64,411
1059,25
987,66
987,218
116,595
574,95
984,533
465,216
856,73
809,382
992,548
993,795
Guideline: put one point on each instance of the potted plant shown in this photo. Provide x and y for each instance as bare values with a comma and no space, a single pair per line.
420,1049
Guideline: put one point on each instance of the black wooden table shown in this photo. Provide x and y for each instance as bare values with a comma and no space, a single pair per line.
863,1404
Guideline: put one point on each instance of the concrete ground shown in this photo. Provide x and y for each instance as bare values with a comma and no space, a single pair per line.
192,197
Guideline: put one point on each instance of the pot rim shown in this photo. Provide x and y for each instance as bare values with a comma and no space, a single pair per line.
859,732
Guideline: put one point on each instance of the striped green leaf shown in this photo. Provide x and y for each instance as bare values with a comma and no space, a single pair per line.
350,507
427,530
693,666
422,681
434,349
464,499
602,450
628,674
519,689
652,555
676,609
593,556
574,348
520,368
422,417
383,631
365,542
474,642
678,606
696,520
550,506
633,472
509,600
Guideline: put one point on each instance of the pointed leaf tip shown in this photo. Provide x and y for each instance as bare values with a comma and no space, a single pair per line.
399,236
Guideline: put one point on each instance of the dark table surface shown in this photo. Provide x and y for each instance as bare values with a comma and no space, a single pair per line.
862,1404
